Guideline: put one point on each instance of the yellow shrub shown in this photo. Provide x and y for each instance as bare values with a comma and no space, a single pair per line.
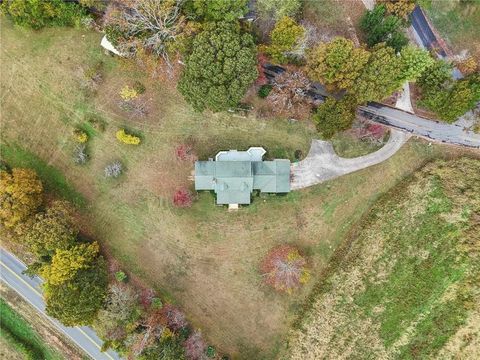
127,93
125,138
80,136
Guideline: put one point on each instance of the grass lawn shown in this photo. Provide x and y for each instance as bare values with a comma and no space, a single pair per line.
457,22
405,284
203,258
21,338
347,145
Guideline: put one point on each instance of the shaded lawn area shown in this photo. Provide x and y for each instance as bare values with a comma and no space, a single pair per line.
457,22
404,284
203,258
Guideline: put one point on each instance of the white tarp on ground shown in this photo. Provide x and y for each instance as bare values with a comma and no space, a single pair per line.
108,46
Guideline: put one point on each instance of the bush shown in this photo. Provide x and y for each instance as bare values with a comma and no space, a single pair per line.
114,169
40,13
128,139
80,136
139,87
195,346
264,91
182,198
120,276
127,93
285,269
80,156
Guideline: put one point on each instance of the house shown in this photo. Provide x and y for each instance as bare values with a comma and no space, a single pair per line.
234,175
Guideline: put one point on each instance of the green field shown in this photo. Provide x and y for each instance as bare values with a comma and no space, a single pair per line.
405,284
203,258
457,22
21,338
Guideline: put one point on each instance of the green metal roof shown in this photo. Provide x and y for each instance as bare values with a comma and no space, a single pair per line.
234,180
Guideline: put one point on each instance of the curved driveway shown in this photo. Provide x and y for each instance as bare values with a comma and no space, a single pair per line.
322,163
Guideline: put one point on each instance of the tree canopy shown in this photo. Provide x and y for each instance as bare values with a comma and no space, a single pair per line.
220,68
277,9
218,10
21,194
414,61
337,63
380,28
333,116
285,38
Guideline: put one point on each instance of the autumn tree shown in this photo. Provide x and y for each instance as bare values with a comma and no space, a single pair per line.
220,69
468,65
399,8
414,61
285,269
382,28
51,230
67,262
195,346
218,10
285,39
21,194
380,77
334,116
173,317
77,301
337,63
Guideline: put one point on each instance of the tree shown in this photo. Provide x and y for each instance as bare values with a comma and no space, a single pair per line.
337,63
414,61
220,68
51,230
289,95
380,28
151,24
333,116
277,9
168,348
21,194
195,346
173,318
40,13
436,77
399,8
467,66
285,37
219,10
66,263
77,301
380,77
285,269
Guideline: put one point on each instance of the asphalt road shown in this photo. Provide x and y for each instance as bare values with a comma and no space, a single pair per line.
84,337
428,129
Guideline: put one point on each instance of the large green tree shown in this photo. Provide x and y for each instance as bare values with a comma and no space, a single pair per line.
21,193
334,116
51,230
337,63
220,68
77,301
40,13
285,40
414,61
218,10
380,27
380,77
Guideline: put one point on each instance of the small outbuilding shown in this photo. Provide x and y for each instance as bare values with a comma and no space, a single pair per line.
234,175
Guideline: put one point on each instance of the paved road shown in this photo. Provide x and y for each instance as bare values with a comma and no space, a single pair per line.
84,337
322,163
428,129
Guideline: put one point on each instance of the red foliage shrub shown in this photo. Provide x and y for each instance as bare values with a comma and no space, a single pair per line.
376,131
284,268
182,198
173,318
195,346
262,78
184,152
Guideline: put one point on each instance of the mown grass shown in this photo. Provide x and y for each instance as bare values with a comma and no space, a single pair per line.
205,258
21,337
404,284
349,146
